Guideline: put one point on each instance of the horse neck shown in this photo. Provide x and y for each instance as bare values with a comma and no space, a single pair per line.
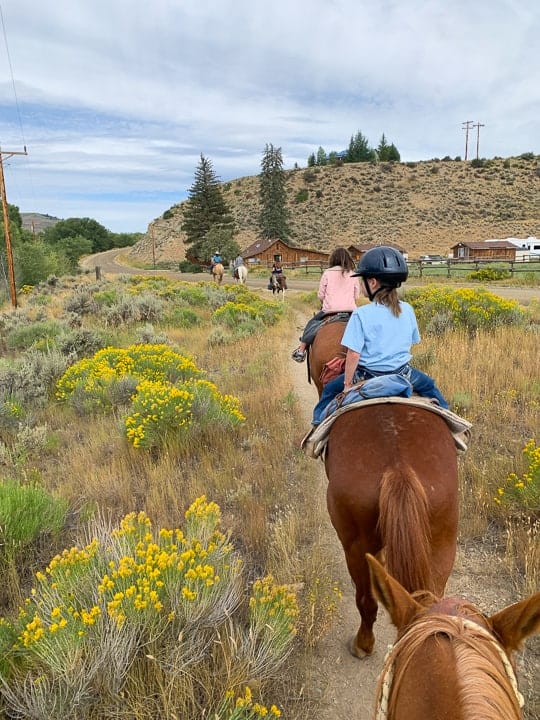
464,672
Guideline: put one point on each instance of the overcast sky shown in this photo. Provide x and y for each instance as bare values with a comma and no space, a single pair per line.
116,99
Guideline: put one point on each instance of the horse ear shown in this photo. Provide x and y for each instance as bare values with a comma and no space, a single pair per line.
516,622
401,605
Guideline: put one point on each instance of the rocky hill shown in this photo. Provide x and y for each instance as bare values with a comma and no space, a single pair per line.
425,207
36,222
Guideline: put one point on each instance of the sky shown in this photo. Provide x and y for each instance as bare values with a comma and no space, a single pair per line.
115,100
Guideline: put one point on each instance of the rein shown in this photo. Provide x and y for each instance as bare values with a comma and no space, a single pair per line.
387,674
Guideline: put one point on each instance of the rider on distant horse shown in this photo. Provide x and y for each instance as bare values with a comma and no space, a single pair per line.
216,258
237,262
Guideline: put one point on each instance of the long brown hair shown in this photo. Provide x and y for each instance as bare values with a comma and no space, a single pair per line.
342,257
389,297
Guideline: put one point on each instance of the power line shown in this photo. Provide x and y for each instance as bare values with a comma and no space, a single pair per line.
12,77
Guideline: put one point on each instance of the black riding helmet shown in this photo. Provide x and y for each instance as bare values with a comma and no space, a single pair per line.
384,263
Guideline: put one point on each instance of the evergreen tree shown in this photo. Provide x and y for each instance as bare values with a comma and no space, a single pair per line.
359,150
393,153
321,156
386,152
311,161
205,210
273,220
382,149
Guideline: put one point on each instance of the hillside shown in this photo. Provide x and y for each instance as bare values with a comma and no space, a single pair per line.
36,222
426,207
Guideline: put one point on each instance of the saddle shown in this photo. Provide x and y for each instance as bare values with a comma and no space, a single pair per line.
314,443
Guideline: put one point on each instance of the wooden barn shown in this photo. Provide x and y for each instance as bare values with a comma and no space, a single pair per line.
485,250
265,252
358,250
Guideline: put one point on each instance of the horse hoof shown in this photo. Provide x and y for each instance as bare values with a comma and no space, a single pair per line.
356,651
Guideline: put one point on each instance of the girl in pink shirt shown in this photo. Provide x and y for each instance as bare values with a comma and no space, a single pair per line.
338,292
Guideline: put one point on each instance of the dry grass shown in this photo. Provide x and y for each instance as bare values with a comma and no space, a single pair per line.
263,484
492,379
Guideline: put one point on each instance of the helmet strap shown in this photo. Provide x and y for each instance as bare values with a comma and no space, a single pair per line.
371,295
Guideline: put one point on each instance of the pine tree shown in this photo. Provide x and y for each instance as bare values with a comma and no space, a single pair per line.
393,153
205,210
273,220
311,161
359,150
321,156
386,152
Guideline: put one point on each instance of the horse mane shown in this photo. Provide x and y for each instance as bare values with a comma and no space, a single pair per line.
484,677
404,528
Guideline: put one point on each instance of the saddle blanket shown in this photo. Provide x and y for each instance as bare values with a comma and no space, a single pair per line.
315,441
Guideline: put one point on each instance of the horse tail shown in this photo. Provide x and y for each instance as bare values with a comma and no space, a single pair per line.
405,529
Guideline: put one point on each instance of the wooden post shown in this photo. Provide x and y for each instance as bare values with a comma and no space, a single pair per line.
7,236
98,272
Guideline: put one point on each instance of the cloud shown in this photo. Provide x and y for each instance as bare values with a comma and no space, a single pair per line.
120,97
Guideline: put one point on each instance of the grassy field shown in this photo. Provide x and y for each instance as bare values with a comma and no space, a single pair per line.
73,459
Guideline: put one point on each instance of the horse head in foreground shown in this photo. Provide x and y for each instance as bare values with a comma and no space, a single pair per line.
449,660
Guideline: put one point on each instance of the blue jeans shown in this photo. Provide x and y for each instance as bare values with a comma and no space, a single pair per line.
423,385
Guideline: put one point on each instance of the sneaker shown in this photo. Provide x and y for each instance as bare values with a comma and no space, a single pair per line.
298,355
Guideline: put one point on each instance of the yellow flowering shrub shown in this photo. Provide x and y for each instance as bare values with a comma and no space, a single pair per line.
522,492
137,596
440,307
168,392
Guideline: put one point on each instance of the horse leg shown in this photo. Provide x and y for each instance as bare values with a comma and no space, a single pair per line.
361,645
354,529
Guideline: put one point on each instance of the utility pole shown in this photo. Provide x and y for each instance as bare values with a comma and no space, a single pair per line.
9,250
467,125
478,126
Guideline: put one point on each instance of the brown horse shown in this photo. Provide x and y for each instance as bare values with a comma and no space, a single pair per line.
325,346
217,273
393,487
450,660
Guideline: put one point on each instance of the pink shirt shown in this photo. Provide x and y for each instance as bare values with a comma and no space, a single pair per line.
338,292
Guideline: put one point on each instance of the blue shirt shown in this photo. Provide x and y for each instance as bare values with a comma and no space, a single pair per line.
382,339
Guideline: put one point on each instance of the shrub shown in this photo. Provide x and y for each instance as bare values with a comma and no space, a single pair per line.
142,603
521,493
81,302
183,318
38,334
301,196
26,512
81,343
487,274
471,309
185,266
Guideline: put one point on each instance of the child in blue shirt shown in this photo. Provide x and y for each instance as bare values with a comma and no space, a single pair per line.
378,336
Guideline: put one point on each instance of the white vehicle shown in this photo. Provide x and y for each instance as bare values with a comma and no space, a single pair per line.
432,260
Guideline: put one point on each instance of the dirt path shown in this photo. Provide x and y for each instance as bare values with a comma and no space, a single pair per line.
345,685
